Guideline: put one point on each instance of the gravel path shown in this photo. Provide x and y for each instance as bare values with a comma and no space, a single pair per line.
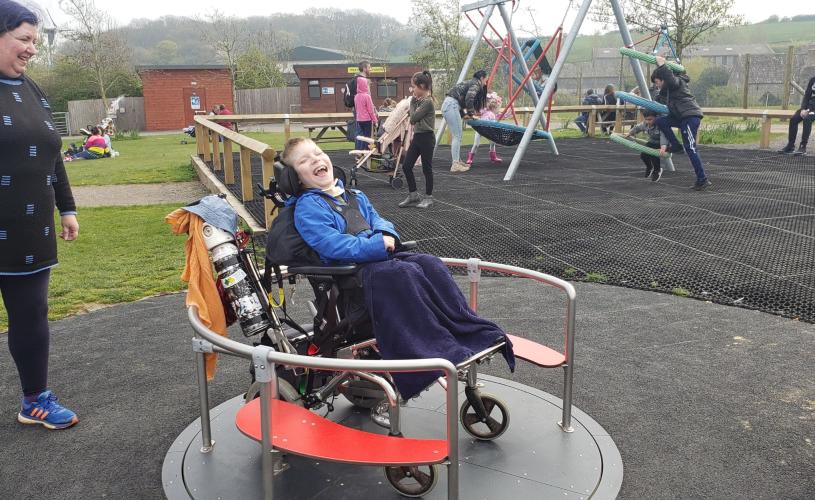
138,194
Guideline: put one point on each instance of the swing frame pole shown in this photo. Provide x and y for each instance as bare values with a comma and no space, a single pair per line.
530,87
635,64
548,89
467,63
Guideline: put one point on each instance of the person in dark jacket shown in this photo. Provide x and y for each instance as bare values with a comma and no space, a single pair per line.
807,115
608,116
591,99
683,112
32,180
463,101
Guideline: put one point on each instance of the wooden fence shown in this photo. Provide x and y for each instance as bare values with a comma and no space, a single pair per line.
265,101
213,140
91,111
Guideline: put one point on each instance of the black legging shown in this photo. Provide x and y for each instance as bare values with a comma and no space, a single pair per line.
26,301
794,121
421,145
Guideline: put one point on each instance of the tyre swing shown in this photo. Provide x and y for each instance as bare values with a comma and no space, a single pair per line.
638,146
505,134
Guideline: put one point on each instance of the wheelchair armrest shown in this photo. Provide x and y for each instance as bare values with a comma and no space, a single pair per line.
325,270
404,246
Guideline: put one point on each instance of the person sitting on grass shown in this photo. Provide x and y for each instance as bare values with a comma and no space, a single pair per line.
656,140
683,112
415,307
95,147
807,115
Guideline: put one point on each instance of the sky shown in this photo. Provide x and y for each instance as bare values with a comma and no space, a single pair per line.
548,19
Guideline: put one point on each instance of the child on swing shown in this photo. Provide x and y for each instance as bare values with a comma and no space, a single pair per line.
488,113
656,139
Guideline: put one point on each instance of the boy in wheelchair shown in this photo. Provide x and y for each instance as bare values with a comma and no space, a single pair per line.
410,300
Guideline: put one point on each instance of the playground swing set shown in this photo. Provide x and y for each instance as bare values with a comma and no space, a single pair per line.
662,40
510,134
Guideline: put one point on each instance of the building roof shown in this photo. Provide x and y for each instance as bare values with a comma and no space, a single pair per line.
304,54
171,67
348,69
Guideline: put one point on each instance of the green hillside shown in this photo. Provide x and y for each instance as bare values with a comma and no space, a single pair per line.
778,35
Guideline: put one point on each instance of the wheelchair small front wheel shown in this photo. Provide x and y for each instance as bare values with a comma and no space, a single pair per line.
495,424
413,480
396,182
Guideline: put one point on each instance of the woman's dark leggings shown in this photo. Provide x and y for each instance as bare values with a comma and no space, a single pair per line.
421,145
26,301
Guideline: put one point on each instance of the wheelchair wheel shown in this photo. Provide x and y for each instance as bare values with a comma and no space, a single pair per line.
363,393
396,182
496,423
413,480
286,391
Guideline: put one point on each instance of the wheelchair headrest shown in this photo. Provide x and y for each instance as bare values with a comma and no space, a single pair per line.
288,182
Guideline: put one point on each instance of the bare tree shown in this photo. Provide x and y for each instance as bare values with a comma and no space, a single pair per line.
689,21
98,49
226,35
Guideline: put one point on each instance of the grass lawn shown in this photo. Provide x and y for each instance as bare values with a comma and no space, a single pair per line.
122,254
145,160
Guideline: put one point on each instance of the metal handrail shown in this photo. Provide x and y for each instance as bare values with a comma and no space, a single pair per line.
265,358
474,268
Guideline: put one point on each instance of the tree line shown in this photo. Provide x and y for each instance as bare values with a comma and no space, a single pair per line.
96,58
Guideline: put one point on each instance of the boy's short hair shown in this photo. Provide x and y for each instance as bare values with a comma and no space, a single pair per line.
291,144
648,112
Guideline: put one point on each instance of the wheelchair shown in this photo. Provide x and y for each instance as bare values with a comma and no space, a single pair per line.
341,328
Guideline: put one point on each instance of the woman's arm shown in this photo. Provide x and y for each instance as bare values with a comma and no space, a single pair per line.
316,224
424,108
472,94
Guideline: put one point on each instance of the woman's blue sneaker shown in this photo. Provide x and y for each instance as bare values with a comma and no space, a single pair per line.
45,410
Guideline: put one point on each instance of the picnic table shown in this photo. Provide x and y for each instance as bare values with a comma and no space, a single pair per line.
325,127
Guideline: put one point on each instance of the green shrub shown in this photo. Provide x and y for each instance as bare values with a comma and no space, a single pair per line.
724,97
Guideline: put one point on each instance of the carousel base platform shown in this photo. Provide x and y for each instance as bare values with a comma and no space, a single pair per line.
533,459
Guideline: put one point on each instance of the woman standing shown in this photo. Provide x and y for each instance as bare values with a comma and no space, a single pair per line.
463,100
32,180
423,118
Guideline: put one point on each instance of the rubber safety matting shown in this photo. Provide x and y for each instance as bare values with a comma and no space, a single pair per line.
590,215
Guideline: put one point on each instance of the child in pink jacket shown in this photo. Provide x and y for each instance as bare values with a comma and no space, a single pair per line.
365,111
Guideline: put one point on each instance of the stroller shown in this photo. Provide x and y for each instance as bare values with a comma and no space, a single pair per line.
388,149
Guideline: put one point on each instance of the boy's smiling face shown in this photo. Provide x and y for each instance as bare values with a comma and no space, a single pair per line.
313,166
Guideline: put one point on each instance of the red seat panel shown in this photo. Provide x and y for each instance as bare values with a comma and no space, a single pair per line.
536,353
299,431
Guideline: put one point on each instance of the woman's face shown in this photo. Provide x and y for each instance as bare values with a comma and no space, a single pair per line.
313,166
16,48
418,92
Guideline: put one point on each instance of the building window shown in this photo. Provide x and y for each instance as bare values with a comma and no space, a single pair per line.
314,89
386,88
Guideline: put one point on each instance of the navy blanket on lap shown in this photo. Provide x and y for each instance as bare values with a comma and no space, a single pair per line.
418,311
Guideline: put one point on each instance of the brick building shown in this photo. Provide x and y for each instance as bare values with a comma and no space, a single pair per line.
174,94
321,85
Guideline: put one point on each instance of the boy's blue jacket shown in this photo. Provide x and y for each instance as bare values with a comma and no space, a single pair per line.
323,229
